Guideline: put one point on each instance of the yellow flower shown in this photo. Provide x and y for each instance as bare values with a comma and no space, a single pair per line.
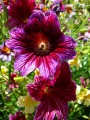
28,103
78,88
75,61
4,70
87,100
83,95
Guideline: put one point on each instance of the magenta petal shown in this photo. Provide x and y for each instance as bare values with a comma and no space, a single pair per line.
18,44
65,83
19,11
48,66
51,24
65,49
38,86
25,63
52,108
33,25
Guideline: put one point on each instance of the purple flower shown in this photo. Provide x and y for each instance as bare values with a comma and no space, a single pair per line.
12,84
0,8
53,94
17,116
82,80
5,53
19,12
40,44
57,6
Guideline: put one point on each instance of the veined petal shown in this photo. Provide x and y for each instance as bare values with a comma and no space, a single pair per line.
25,63
65,49
48,66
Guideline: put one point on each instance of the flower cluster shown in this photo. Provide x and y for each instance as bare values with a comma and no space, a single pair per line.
38,43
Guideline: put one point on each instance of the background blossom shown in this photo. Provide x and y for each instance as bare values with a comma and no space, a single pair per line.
28,103
19,12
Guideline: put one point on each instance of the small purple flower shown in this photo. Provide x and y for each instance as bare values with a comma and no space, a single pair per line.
17,116
40,44
1,8
5,53
82,80
19,12
53,94
57,6
11,84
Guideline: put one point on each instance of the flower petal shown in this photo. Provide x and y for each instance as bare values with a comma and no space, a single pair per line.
47,66
52,108
65,49
25,63
65,84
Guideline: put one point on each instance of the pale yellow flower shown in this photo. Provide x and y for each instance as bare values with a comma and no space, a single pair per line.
87,100
28,103
78,88
83,95
4,70
75,61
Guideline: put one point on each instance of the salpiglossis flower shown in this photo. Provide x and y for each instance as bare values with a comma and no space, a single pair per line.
40,44
53,94
19,12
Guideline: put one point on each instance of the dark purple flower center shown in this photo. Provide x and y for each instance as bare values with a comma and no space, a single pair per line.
41,44
48,90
